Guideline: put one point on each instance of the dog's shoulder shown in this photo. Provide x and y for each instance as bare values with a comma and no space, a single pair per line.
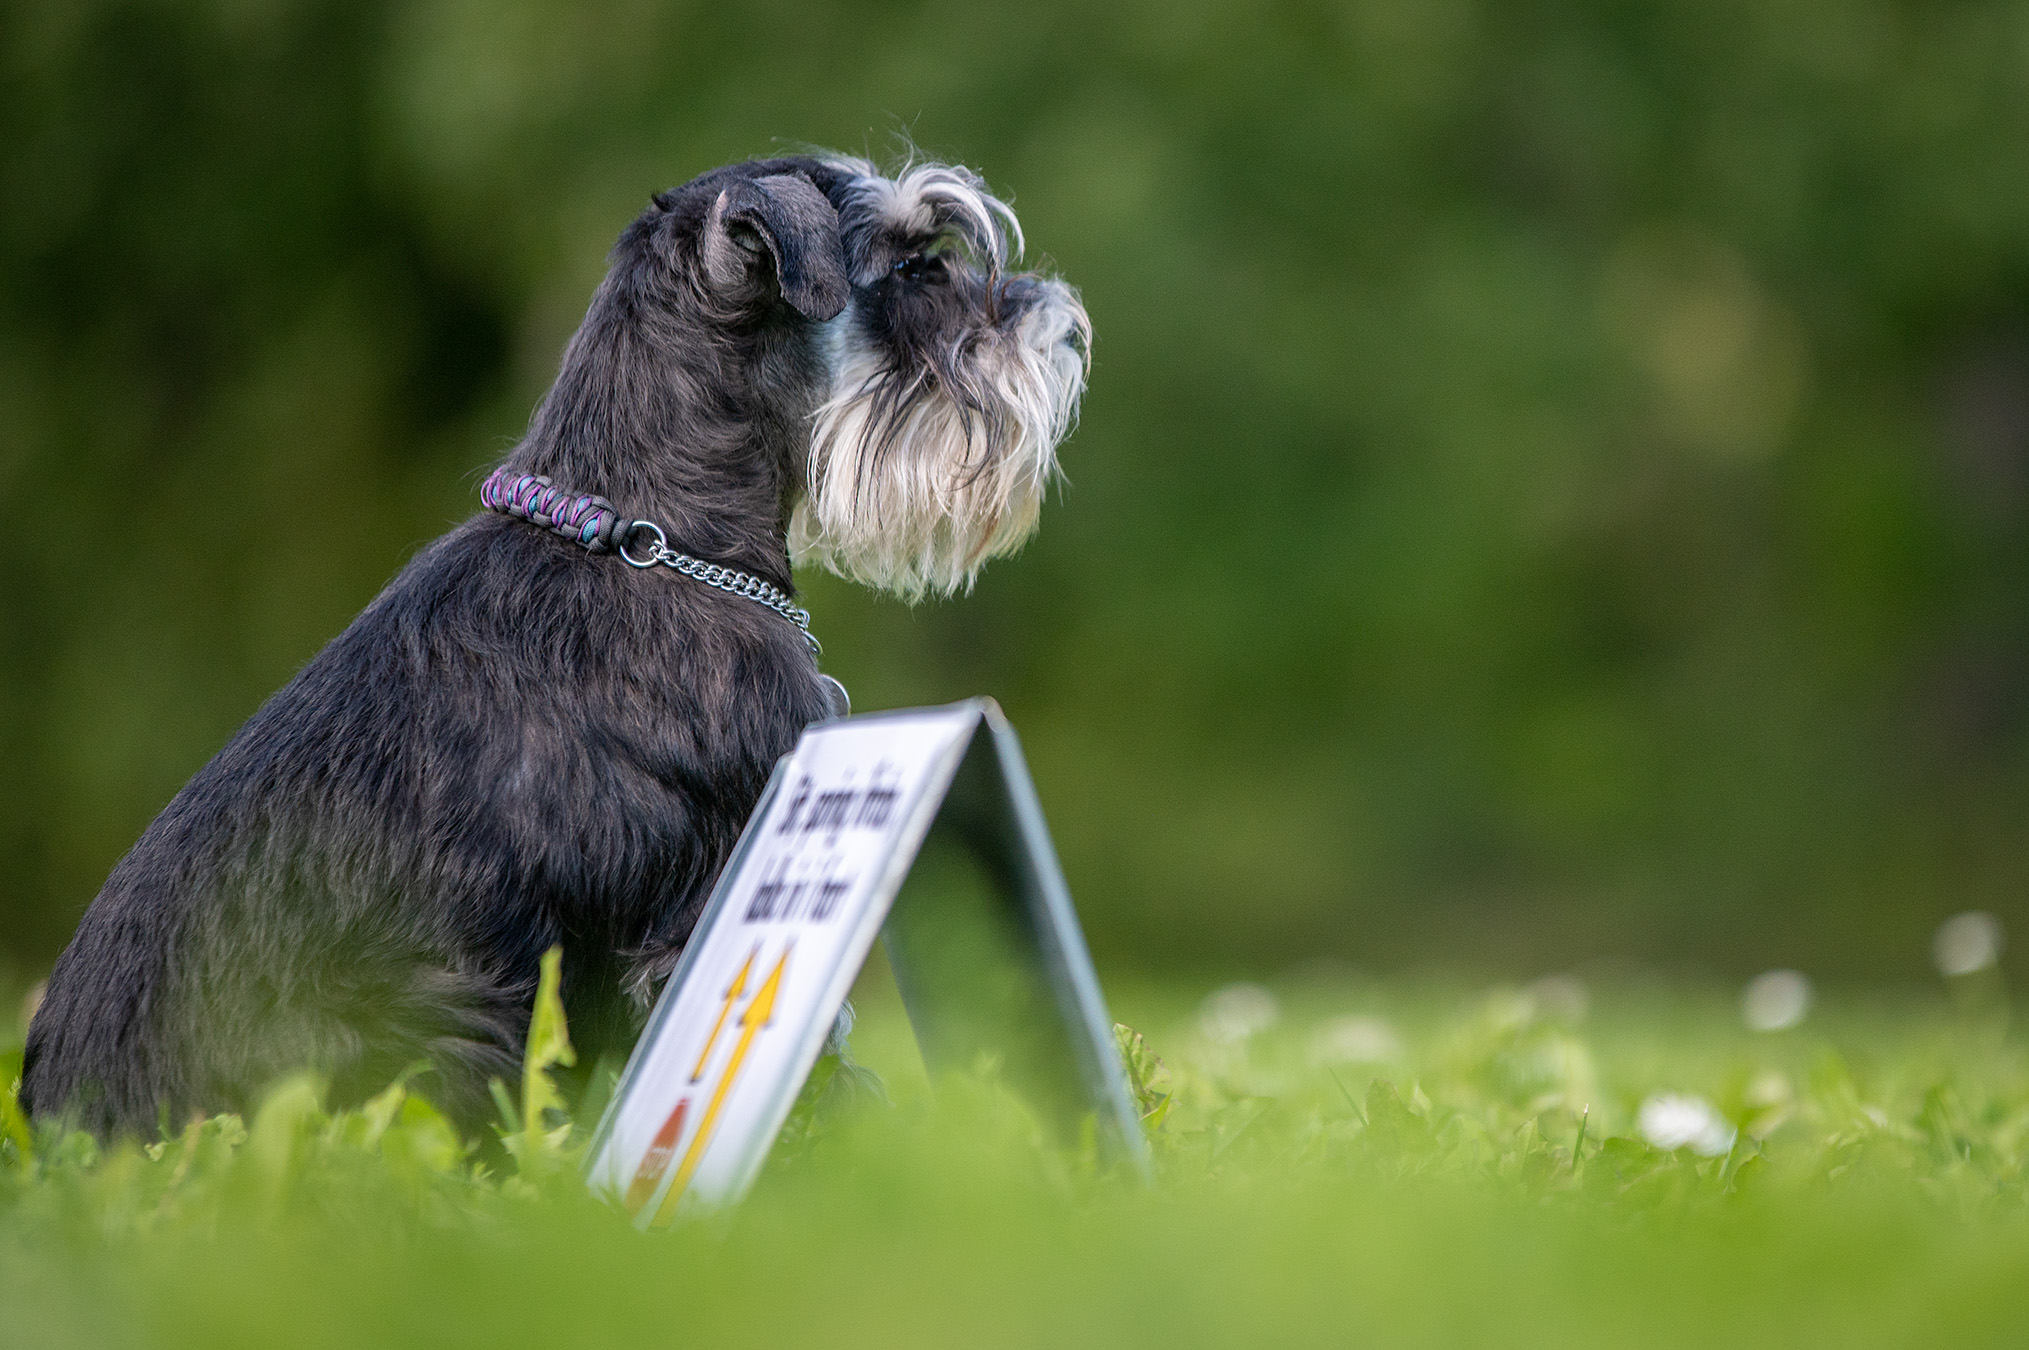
499,625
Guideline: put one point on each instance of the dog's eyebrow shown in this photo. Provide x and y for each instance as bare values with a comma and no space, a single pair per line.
960,204
924,202
933,240
946,235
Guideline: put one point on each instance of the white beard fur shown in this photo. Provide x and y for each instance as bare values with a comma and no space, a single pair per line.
917,508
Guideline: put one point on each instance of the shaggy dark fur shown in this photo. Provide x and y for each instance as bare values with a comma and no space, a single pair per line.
518,743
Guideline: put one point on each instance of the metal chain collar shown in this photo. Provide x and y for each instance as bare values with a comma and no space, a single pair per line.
592,523
730,580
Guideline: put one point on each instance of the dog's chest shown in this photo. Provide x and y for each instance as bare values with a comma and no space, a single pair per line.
595,757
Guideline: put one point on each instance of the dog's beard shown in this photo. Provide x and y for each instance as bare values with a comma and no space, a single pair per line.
918,477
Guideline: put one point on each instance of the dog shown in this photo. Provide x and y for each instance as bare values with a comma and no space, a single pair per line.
537,734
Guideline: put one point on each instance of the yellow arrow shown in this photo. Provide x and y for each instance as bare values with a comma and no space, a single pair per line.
753,1017
738,987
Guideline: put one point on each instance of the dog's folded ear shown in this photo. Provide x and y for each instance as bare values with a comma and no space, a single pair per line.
776,232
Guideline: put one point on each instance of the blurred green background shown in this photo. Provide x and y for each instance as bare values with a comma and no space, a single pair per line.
1554,490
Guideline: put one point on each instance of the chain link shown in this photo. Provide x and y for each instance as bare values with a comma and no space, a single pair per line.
727,579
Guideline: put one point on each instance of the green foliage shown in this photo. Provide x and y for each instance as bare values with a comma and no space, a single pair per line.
1148,1078
535,1147
1553,481
1453,1192
17,1142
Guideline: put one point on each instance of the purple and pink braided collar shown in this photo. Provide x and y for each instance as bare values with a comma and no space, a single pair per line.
582,518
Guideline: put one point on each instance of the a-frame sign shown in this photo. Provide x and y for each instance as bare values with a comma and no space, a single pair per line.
984,943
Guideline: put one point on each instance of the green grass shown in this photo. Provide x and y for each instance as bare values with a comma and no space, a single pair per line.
1440,1196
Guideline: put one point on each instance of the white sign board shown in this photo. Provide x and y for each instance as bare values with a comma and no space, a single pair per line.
748,1009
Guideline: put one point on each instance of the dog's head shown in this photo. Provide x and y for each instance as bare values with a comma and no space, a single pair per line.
929,382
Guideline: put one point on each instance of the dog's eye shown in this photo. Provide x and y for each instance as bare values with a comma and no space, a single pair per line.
913,268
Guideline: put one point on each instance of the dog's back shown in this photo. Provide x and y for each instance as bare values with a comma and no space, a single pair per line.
516,744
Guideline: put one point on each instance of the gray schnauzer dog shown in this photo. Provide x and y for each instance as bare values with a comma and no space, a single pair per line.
525,740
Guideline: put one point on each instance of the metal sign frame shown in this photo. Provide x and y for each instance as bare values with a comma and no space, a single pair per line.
973,796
